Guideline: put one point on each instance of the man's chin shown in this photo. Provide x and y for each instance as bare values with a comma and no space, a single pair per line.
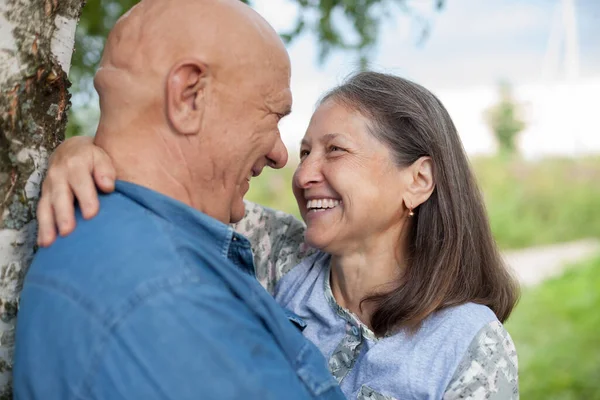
238,210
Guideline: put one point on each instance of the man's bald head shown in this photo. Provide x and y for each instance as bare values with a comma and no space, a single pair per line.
193,90
229,37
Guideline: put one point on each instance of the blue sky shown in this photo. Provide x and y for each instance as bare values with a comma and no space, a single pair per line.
471,41
472,45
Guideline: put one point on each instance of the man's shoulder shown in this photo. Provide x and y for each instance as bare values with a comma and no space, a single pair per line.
124,245
121,225
121,212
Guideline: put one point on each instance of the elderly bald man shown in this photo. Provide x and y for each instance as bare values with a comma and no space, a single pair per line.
155,298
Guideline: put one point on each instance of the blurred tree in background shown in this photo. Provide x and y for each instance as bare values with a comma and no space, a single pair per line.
348,25
506,121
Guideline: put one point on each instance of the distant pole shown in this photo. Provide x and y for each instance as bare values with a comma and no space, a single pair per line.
562,51
571,40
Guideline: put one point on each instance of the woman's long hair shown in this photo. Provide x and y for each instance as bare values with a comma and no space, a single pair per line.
452,257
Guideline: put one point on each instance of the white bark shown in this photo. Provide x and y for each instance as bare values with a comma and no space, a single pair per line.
36,43
63,41
9,64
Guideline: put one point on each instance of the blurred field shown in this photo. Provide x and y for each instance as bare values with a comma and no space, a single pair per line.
534,203
556,329
273,188
529,203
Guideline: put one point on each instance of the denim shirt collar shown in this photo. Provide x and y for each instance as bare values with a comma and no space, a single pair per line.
232,245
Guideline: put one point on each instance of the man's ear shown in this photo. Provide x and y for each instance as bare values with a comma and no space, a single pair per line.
422,183
185,97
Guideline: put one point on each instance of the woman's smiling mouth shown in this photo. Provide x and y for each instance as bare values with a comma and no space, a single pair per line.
316,205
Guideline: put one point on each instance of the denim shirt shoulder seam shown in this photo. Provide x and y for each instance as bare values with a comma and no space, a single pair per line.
71,293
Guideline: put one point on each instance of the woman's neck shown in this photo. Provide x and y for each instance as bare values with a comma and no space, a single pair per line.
374,269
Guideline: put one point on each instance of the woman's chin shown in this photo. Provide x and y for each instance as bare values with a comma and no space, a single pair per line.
316,239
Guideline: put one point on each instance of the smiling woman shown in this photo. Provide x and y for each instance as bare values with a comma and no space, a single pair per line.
395,276
404,151
341,161
407,293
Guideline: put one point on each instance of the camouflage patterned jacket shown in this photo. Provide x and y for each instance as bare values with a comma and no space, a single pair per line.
487,369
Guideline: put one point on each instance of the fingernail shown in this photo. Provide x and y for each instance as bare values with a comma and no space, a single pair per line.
64,226
89,210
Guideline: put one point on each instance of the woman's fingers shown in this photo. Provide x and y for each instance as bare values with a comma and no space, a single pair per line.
46,223
82,185
64,210
103,170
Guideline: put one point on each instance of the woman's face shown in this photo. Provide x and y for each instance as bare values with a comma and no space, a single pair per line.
349,190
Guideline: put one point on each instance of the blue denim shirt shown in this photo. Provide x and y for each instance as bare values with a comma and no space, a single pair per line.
155,300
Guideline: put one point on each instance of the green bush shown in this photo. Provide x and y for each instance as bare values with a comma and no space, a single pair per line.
556,329
529,203
535,203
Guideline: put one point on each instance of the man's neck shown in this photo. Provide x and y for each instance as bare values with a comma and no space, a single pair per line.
151,163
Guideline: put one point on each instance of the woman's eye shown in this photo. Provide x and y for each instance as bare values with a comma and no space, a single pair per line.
303,154
335,148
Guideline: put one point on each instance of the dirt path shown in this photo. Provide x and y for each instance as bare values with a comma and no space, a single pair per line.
535,264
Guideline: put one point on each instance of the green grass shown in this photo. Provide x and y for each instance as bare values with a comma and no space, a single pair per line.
529,203
556,329
535,203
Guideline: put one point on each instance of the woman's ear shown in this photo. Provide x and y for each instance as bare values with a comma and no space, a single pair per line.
422,183
185,97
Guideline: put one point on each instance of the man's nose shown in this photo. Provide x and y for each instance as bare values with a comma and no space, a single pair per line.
278,156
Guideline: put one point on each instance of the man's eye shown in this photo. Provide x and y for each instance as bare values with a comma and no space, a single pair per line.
304,153
335,148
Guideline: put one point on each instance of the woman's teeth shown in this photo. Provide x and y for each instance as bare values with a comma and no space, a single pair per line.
322,204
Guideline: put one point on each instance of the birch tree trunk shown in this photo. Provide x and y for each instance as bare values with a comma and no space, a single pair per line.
36,45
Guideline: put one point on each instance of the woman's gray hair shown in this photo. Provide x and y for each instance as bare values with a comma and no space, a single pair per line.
452,257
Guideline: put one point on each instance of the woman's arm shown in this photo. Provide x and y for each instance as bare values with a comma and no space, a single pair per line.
77,167
277,241
489,369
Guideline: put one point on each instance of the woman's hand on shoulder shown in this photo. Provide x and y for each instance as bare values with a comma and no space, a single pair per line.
75,169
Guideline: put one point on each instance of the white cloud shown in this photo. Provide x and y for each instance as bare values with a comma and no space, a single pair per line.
280,14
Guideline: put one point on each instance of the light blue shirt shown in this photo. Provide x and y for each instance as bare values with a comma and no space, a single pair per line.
400,366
